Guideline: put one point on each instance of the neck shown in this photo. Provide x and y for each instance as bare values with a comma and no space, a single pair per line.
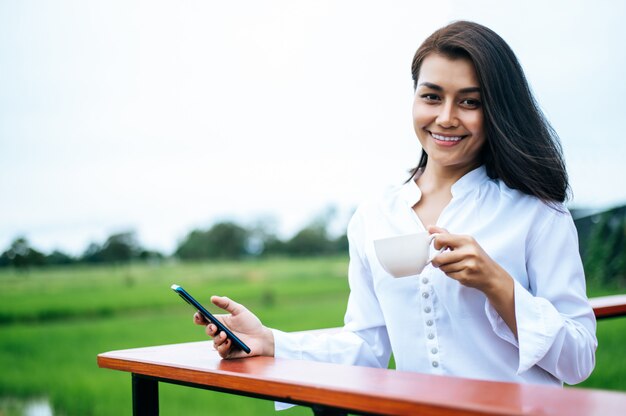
437,178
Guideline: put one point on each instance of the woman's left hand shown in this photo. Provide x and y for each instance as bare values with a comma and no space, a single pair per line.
467,262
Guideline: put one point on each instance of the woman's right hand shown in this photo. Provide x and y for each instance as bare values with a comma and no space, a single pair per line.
242,323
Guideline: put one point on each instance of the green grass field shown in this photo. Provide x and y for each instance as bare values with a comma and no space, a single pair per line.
53,323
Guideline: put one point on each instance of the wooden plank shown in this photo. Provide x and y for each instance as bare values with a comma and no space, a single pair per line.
608,306
357,389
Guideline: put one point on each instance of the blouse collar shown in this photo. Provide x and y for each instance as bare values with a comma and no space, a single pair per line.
472,180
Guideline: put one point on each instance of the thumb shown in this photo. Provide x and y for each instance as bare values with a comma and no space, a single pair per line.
433,229
227,304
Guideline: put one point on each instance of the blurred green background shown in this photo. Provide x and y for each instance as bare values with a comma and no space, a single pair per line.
55,320
57,312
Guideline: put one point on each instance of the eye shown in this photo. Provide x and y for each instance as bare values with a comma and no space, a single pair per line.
470,103
430,97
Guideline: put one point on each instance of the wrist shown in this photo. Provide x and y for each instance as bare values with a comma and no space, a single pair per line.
501,287
268,344
501,295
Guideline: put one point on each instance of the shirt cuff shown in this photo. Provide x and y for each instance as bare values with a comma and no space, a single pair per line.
498,325
538,323
285,346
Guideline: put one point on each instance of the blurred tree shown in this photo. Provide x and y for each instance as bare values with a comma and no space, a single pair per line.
92,254
222,240
150,255
272,245
118,248
340,244
59,258
193,247
605,251
227,240
263,239
313,239
21,255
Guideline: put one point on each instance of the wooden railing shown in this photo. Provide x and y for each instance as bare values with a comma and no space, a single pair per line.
332,389
609,306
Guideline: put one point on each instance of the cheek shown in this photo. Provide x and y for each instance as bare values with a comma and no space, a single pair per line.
418,126
420,116
476,125
415,113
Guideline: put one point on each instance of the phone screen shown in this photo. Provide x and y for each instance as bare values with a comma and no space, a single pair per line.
210,318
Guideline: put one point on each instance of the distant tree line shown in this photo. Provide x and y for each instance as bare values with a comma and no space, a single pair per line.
223,240
118,248
602,239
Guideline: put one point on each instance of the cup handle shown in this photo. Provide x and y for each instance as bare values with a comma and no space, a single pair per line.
441,250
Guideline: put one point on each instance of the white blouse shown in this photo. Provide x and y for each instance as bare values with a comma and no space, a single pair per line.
435,325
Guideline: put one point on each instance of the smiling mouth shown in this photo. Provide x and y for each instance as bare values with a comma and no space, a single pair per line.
447,138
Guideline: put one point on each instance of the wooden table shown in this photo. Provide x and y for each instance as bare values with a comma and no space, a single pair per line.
335,389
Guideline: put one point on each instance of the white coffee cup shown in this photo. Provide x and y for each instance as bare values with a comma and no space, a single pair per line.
405,255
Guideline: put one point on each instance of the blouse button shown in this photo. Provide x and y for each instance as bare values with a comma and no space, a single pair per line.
425,280
431,336
435,364
434,351
429,322
427,309
425,295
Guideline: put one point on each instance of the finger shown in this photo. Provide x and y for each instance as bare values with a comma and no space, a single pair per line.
227,304
198,319
236,353
224,349
447,257
453,269
452,241
211,330
433,229
219,339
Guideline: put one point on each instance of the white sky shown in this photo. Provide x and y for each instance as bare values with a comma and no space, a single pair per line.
163,116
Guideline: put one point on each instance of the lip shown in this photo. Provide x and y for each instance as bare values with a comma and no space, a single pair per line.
440,138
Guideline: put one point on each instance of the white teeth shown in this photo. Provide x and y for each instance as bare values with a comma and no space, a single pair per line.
446,138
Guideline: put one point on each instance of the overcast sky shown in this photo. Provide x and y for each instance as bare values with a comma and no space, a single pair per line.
163,116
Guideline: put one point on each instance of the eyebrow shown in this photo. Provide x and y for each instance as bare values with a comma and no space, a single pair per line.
438,88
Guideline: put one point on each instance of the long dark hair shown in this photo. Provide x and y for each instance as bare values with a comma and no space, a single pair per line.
521,147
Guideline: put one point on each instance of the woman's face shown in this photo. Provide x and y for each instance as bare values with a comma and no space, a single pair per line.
447,112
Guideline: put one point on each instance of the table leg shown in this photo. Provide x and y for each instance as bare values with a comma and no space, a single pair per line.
327,411
145,396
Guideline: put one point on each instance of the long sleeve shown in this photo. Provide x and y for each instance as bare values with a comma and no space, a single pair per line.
363,340
555,323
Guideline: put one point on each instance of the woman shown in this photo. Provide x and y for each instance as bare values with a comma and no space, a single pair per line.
506,300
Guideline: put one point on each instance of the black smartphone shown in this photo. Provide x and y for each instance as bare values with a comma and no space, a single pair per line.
210,318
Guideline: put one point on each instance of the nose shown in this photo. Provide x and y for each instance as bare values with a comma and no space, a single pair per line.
447,116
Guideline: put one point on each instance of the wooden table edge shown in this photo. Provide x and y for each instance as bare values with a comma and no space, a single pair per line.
300,394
